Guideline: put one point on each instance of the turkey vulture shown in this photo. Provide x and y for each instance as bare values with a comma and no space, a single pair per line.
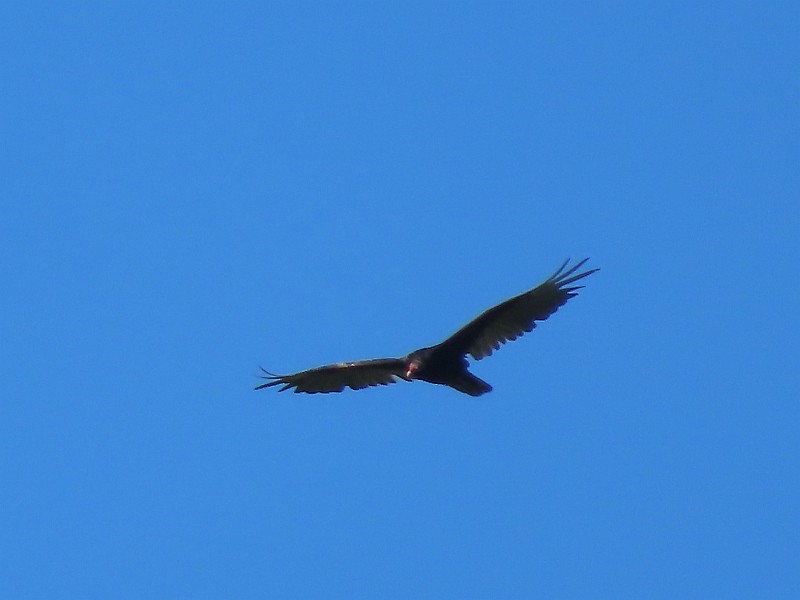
445,363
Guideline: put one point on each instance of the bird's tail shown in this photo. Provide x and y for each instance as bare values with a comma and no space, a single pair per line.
469,384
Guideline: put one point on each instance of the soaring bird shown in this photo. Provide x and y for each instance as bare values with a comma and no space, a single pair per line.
446,363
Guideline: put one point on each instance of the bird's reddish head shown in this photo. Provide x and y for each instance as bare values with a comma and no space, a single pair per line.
412,368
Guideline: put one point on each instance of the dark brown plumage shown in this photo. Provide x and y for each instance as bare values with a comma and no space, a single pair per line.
446,363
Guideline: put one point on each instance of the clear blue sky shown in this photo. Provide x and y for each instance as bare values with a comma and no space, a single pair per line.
192,189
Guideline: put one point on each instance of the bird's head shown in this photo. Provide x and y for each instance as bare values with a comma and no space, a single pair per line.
413,367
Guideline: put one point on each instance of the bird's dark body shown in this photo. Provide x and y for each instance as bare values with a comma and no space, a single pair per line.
446,368
446,363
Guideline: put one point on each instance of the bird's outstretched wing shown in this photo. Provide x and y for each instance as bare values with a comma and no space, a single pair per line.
510,319
334,378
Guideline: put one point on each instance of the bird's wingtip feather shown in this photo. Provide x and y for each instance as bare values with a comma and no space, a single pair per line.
272,379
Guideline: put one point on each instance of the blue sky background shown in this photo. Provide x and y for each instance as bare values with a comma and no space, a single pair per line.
193,189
